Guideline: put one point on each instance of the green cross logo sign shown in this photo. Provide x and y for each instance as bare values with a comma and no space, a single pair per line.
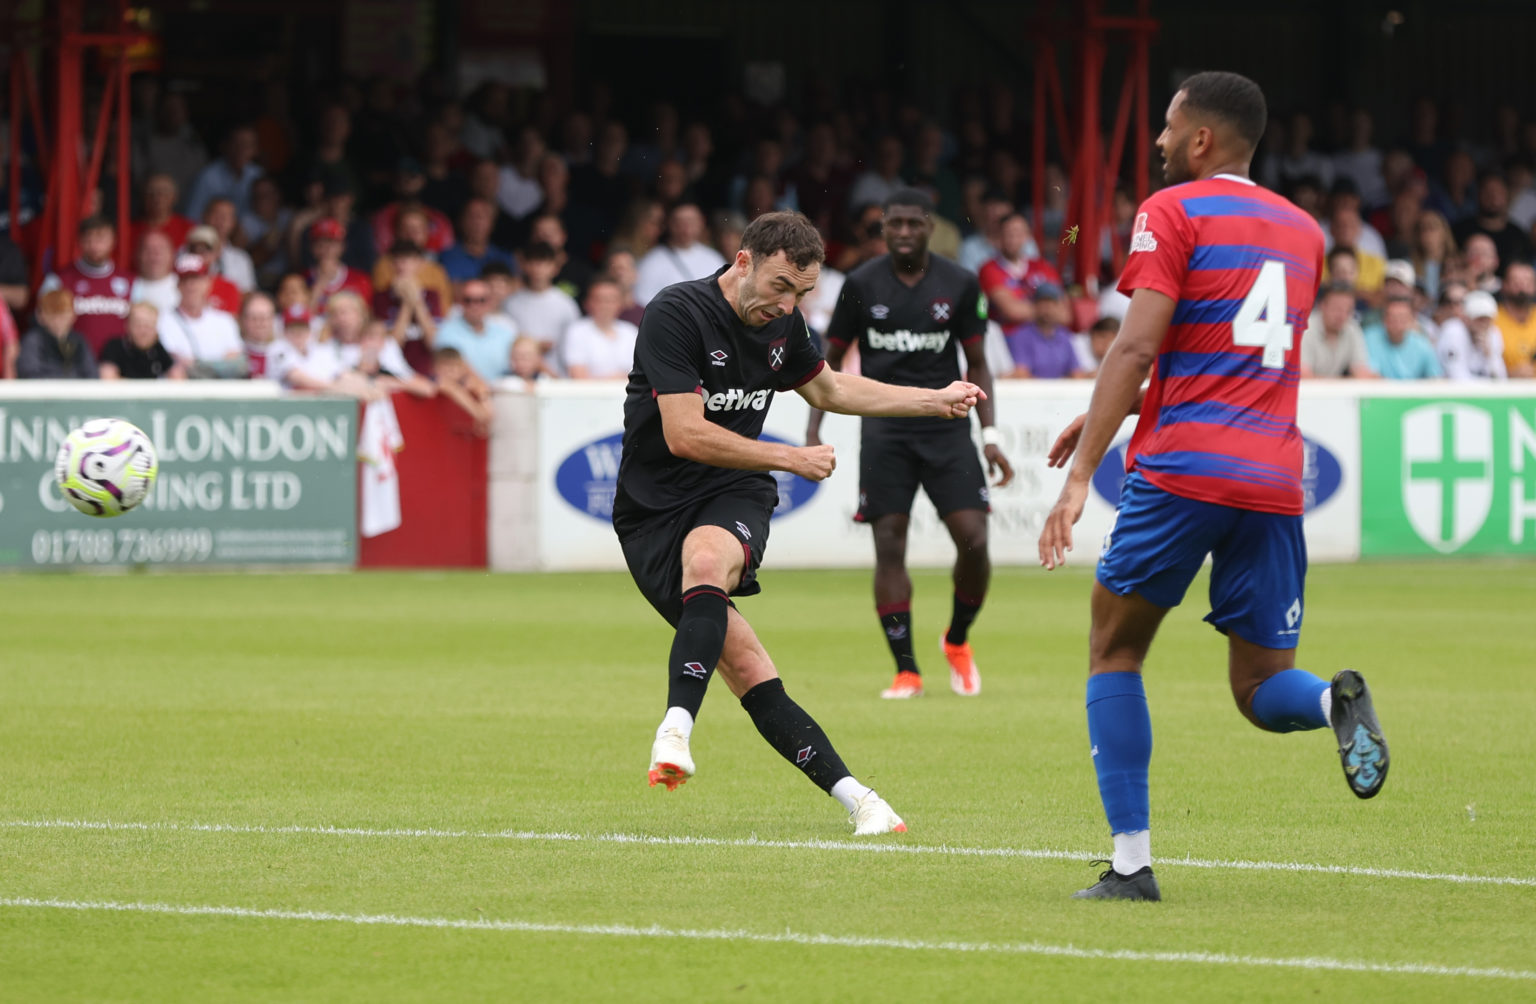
1447,477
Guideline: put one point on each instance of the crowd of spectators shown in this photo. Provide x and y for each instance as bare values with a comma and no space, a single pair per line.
395,242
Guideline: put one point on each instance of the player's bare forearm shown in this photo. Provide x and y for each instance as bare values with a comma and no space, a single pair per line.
837,352
718,446
846,394
692,436
979,373
1118,388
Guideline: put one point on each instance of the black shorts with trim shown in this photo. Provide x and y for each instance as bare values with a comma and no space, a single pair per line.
653,543
942,461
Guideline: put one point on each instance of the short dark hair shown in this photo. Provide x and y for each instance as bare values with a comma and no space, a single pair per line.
1340,249
1231,97
1400,298
540,251
404,248
788,231
97,222
492,269
1014,215
1109,323
1337,288
914,197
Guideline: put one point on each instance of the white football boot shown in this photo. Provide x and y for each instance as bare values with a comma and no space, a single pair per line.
873,814
671,763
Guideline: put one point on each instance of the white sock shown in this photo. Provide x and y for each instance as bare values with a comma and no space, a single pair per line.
1327,703
1133,851
676,718
849,791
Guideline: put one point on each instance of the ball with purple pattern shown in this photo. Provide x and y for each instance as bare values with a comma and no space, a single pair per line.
106,467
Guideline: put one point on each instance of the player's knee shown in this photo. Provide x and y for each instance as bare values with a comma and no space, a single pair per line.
973,544
891,545
1242,693
745,670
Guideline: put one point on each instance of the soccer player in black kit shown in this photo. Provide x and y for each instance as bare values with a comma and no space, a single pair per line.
907,311
694,498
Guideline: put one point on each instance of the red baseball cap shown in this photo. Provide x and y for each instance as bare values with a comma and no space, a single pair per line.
296,313
327,230
190,265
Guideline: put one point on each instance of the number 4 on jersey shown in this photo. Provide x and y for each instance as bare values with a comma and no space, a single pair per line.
1261,321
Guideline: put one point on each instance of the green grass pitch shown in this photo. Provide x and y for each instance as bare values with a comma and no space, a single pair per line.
505,721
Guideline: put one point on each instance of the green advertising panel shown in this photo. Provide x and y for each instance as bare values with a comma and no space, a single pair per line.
270,481
1448,476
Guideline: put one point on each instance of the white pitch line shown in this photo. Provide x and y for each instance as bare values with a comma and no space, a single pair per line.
783,938
808,845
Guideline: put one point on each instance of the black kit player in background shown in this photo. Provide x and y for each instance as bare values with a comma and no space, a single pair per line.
907,311
694,499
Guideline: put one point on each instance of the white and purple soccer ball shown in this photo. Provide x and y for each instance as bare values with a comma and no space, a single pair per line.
106,467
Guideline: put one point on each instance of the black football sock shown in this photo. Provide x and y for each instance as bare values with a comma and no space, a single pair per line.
696,647
896,620
794,733
965,611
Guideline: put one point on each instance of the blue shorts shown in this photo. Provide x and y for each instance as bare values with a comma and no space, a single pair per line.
1259,560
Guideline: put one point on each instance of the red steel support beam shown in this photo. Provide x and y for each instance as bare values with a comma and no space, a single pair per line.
1141,61
66,159
13,167
124,157
99,139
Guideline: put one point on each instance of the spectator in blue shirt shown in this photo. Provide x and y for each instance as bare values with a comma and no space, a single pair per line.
474,251
484,341
229,177
1398,351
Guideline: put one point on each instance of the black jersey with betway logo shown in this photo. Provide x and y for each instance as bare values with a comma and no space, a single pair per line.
909,335
691,341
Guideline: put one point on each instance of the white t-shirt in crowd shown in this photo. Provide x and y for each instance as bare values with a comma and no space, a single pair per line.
164,293
235,265
544,315
208,337
318,361
391,359
605,357
1459,355
664,265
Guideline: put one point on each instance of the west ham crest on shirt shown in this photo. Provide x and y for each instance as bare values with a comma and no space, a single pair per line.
119,285
941,309
776,350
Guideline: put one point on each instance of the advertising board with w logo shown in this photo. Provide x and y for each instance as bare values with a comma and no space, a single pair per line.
1448,476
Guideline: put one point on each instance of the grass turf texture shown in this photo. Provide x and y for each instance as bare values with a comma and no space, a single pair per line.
484,703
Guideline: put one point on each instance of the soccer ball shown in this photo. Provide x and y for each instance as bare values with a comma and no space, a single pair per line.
106,467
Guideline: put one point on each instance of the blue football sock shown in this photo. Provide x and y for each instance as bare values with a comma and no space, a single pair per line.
1121,733
1291,701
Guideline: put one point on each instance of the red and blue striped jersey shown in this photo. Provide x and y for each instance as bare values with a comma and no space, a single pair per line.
1218,422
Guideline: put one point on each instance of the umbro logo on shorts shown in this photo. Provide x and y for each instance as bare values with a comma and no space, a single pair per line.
741,528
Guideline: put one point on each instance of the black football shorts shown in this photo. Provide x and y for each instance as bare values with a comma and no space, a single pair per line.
653,546
943,462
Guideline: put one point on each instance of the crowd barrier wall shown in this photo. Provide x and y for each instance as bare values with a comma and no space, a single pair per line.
1391,470
252,477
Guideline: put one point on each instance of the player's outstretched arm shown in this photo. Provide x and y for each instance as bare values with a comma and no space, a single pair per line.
846,394
692,436
1061,450
1117,389
837,351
